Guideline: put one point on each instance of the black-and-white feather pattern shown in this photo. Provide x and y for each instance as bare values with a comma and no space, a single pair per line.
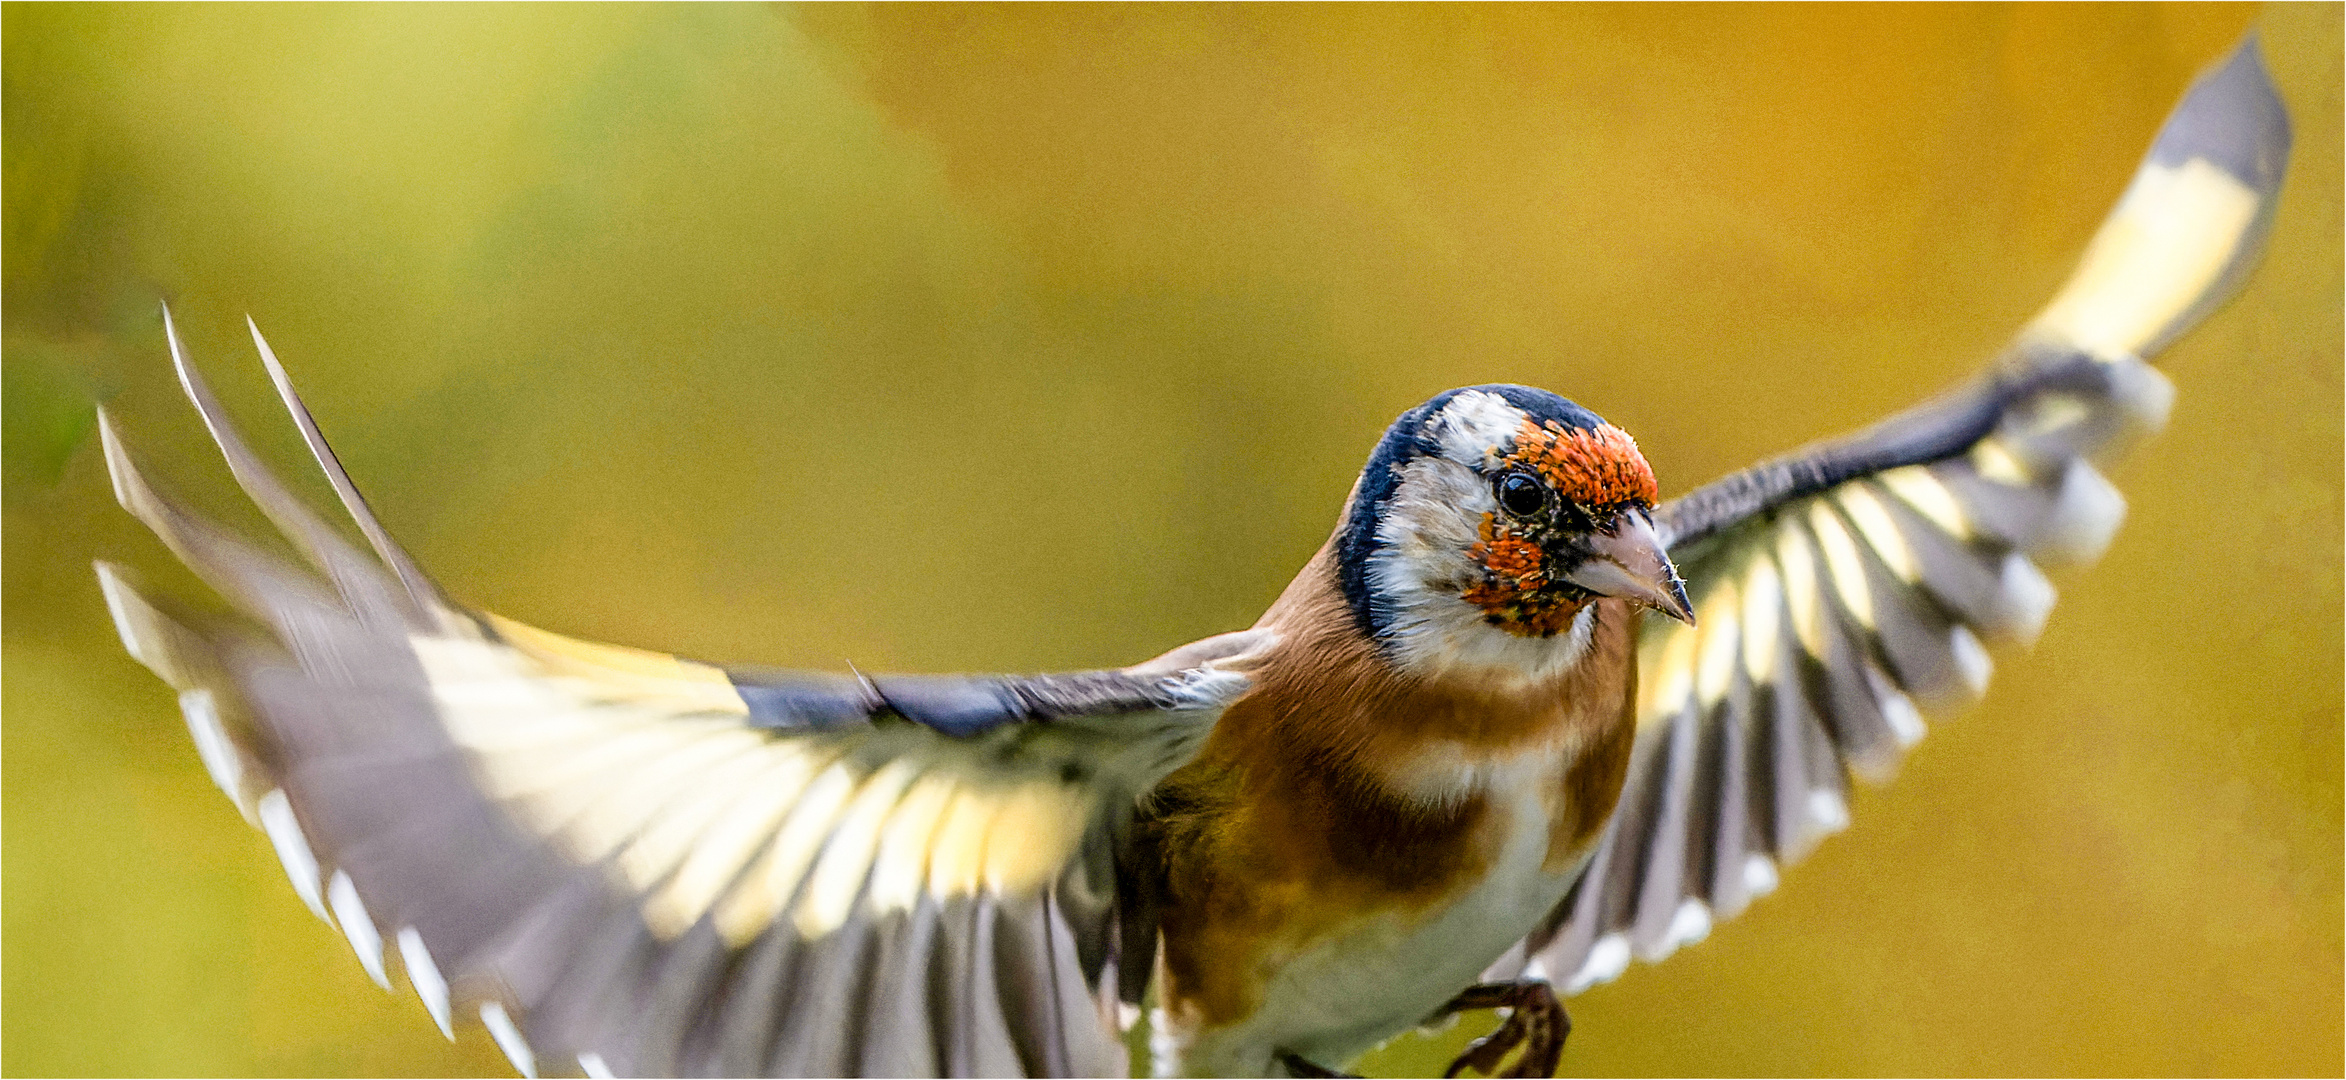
1847,591
623,862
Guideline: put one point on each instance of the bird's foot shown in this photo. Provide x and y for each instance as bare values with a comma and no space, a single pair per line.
1535,1021
1299,1065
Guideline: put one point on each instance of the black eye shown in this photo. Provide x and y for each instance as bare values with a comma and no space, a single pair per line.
1521,495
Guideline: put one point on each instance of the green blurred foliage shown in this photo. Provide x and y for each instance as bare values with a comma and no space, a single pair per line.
1025,338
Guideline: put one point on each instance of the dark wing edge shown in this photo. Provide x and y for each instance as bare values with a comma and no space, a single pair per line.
622,862
1848,590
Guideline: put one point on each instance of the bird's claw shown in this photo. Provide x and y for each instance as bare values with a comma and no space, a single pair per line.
1536,1022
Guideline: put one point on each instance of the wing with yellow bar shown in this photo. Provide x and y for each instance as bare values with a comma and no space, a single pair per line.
622,862
1848,590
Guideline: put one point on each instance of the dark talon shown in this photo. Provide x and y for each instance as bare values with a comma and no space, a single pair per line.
1299,1065
1535,1021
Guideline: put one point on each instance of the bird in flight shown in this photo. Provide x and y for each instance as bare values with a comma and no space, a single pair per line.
1516,723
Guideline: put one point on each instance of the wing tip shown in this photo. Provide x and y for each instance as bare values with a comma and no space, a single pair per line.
171,650
121,473
424,974
2233,118
509,1038
293,849
419,586
135,620
2087,511
1607,959
365,939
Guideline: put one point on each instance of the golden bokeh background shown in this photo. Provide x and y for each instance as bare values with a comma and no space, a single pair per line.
974,338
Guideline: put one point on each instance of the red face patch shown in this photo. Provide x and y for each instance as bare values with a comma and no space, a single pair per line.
1594,467
1511,593
1598,469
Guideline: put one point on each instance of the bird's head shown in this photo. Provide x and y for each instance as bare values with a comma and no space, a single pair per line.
1488,520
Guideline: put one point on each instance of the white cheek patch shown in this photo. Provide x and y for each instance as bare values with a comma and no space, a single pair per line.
1421,566
1473,425
1433,516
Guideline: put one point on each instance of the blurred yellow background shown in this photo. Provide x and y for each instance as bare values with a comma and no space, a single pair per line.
973,338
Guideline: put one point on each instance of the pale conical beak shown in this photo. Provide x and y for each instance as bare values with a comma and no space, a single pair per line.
1629,562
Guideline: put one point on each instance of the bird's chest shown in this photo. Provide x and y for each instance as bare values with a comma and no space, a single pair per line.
1357,952
1353,848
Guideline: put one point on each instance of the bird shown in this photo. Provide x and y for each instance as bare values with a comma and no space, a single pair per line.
1519,721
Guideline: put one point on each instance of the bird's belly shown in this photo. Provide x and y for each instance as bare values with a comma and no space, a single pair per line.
1386,972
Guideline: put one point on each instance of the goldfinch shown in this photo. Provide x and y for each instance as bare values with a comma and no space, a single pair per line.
1455,765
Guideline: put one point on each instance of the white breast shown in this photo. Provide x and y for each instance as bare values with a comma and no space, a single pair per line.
1385,974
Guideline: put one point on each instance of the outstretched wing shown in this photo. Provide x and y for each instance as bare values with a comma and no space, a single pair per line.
625,862
1844,591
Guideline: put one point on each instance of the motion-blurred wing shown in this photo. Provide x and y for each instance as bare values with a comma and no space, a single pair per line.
645,865
1845,591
